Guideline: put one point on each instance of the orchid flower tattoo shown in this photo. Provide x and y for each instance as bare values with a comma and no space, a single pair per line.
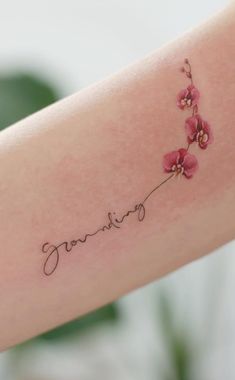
181,162
178,163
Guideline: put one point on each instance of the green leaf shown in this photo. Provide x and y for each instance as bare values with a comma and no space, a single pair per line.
178,342
21,95
105,314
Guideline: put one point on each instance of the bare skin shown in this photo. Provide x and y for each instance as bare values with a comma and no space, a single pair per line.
98,151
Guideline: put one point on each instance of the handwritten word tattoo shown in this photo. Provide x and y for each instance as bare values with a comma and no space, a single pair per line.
176,163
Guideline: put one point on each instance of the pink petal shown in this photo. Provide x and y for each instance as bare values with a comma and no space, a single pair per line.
194,94
169,160
203,145
191,87
182,152
182,94
191,128
206,127
190,165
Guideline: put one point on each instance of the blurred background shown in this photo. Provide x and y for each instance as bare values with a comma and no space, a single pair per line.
179,328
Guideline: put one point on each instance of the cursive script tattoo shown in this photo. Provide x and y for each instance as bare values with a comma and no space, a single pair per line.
177,163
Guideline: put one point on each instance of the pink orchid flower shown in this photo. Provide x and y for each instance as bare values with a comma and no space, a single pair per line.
180,162
198,130
188,98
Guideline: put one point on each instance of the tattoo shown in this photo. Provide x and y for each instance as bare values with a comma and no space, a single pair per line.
177,163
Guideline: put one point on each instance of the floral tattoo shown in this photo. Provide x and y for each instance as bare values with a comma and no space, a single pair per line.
197,131
179,163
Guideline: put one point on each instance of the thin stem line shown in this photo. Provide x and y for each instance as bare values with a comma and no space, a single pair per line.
157,187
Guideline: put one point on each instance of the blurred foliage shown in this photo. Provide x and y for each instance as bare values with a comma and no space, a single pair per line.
21,95
179,345
83,324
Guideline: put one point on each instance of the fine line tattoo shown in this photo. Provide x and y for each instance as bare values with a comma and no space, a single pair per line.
176,163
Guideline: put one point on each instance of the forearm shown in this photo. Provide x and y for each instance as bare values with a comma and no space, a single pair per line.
79,176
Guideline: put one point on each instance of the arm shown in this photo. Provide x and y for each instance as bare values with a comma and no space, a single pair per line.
66,170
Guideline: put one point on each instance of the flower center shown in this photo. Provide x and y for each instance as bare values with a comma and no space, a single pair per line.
177,169
205,137
186,102
189,102
202,137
